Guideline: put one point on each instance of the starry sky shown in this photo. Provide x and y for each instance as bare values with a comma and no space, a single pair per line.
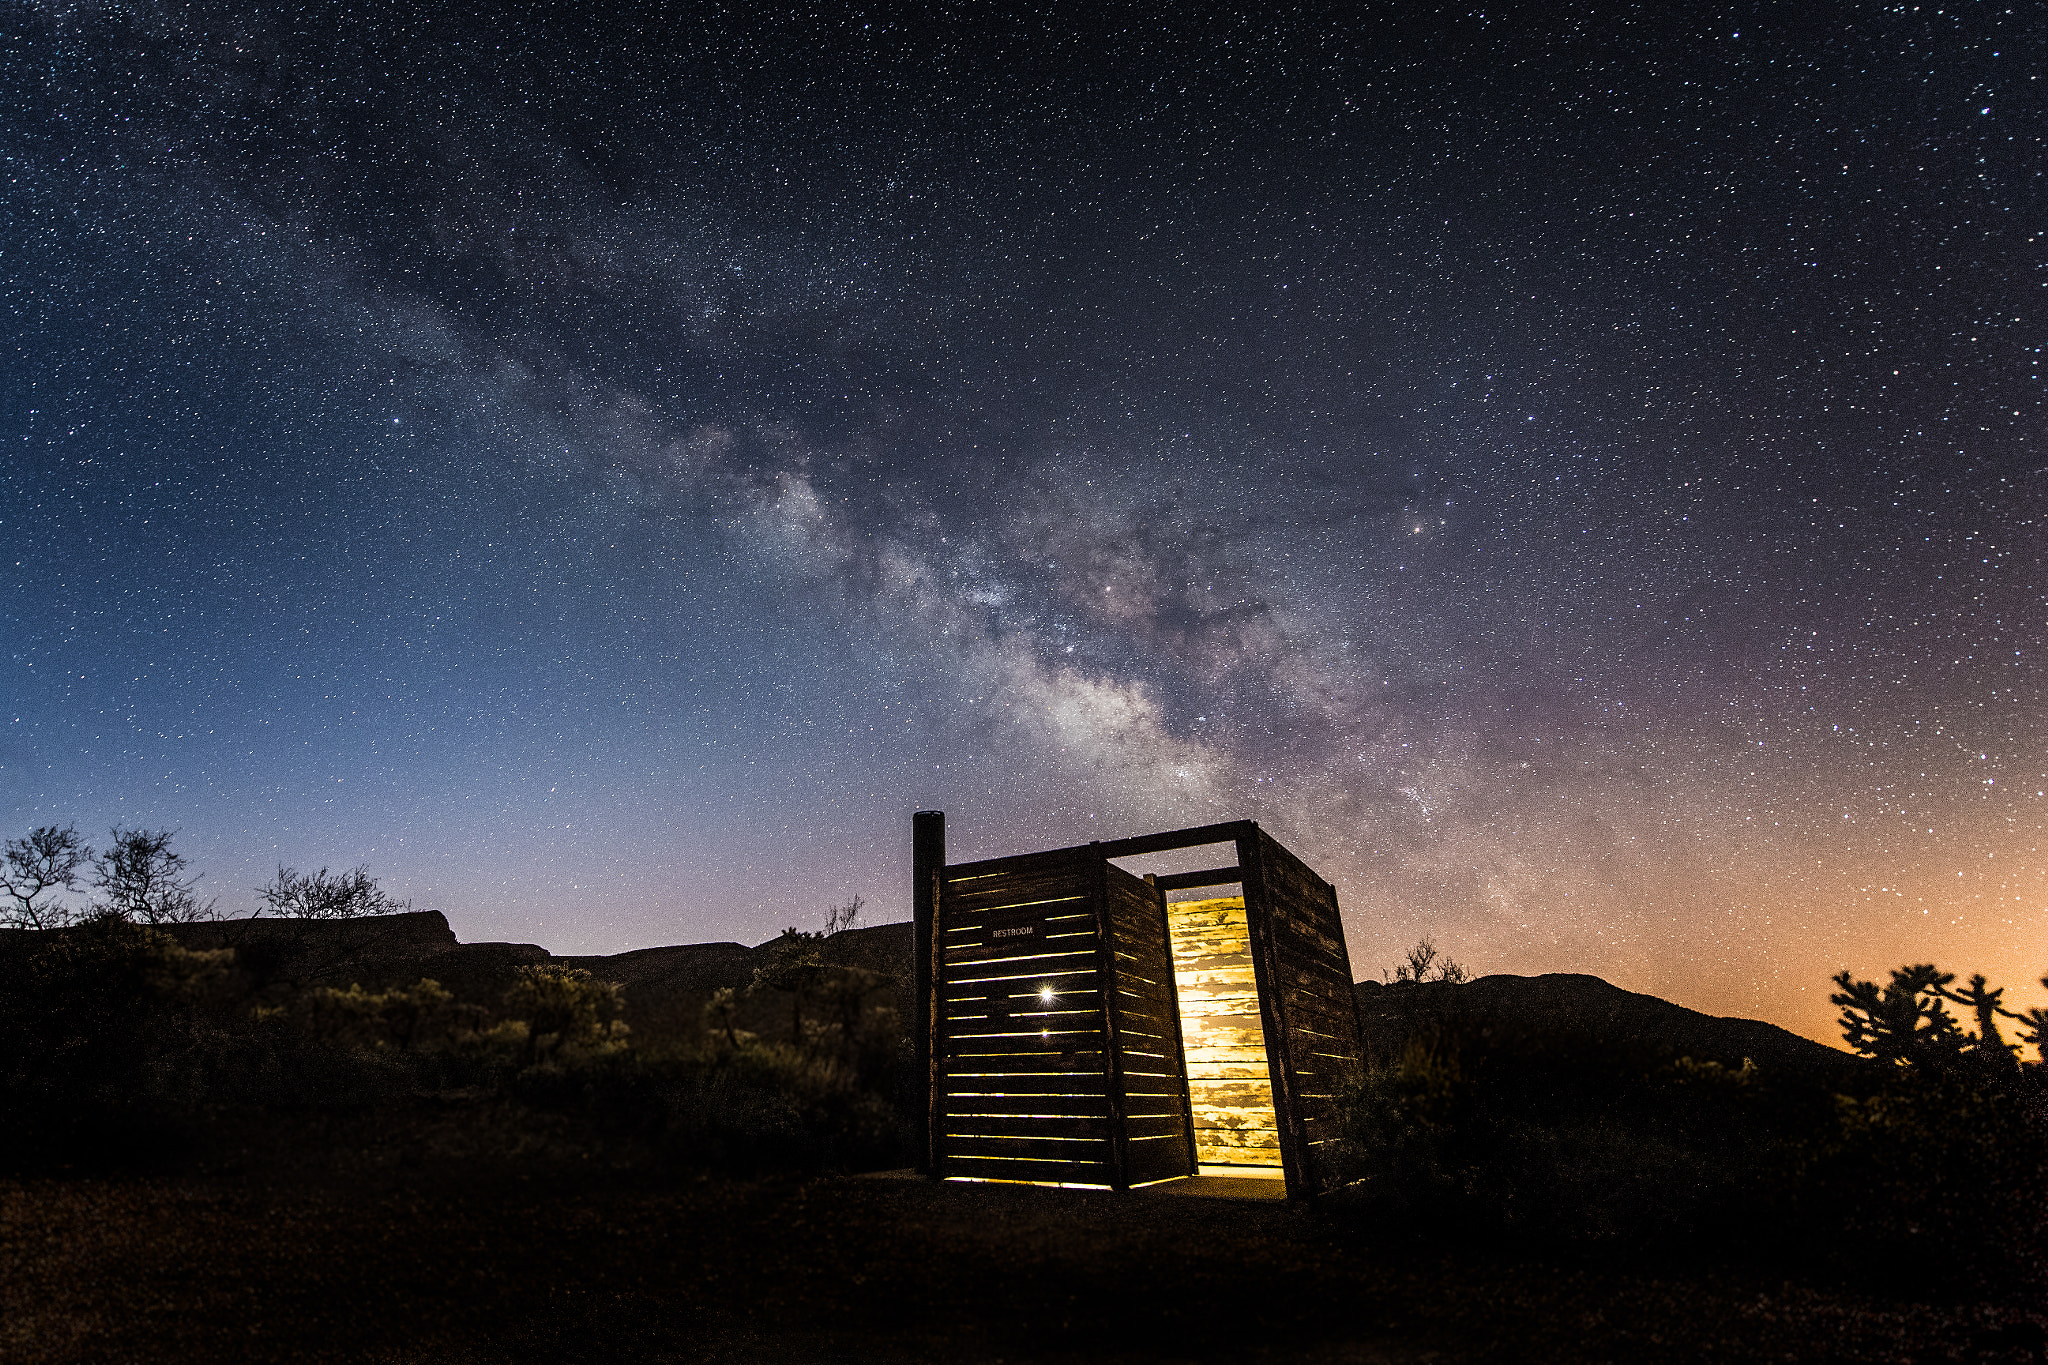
1574,473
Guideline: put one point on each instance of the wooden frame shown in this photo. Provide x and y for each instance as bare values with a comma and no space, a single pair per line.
1050,1024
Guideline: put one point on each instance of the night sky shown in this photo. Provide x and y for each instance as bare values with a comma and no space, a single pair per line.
1574,474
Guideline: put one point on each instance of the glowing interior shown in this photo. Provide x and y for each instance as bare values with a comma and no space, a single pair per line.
1228,1083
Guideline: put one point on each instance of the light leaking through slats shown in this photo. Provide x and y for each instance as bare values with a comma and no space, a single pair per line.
1223,1040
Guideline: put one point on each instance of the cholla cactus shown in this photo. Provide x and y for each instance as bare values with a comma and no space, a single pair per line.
565,1007
2034,1027
1905,1022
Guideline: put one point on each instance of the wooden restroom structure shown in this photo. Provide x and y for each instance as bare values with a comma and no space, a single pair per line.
1081,1029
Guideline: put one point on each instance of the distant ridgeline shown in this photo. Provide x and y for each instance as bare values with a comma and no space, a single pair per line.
1566,1012
667,988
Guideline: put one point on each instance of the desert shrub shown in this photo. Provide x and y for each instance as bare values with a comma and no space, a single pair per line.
103,1026
1925,1178
1566,1139
775,1105
1931,1178
567,1013
750,1107
118,1043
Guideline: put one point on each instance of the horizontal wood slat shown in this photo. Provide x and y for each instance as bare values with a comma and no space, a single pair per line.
1114,848
974,1166
1052,1106
1046,1149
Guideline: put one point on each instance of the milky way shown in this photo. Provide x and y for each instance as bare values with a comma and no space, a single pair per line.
1575,476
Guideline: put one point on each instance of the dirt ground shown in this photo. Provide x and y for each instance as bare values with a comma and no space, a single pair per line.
429,1266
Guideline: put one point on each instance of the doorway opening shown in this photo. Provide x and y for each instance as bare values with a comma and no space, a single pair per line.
1223,1040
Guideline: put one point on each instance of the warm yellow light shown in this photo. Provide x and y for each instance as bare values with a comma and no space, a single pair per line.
1222,1034
1045,994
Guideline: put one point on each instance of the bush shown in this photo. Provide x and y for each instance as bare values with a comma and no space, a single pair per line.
1928,1179
1920,1180
118,1045
1558,1139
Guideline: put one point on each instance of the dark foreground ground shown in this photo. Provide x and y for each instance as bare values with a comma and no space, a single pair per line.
418,1264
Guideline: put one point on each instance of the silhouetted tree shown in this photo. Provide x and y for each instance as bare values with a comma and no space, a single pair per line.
1425,963
140,879
328,895
839,918
33,869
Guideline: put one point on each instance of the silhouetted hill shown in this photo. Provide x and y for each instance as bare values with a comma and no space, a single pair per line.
1564,1010
666,988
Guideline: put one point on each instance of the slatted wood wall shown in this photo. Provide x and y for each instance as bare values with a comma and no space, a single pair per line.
1155,1130
1023,1083
1229,1083
1084,1087
1307,993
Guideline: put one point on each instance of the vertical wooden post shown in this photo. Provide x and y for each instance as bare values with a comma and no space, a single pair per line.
1112,1031
1180,1047
1258,913
927,869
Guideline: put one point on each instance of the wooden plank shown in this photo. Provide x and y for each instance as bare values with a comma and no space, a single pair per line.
972,1121
1068,887
1154,1081
978,1051
1111,1023
1075,1064
981,1058
995,1022
1027,1128
1187,881
1053,1083
959,1144
1115,848
1160,1156
1024,1000
973,1166
1079,1105
980,961
1183,1091
962,876
996,973
1259,916
927,874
